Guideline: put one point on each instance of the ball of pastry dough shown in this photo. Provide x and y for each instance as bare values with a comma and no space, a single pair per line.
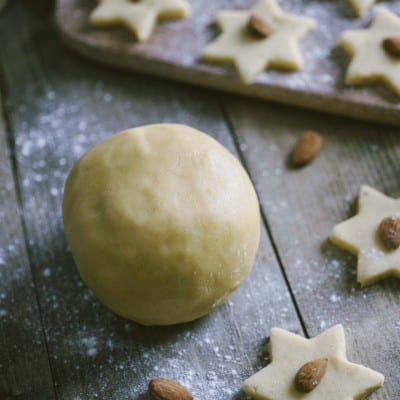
163,223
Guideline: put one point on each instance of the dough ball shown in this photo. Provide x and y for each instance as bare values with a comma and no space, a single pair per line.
163,223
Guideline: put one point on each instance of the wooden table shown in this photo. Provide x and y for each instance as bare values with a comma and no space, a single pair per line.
58,342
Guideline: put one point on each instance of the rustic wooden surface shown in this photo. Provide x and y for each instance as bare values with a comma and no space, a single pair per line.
175,48
22,343
57,106
302,207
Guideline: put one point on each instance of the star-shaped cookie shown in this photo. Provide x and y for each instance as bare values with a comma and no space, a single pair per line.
139,16
252,55
343,380
359,235
361,7
370,62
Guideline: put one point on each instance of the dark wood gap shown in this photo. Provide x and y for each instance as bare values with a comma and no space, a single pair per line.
262,210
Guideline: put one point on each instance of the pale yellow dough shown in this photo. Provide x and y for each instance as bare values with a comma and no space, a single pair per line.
370,62
163,223
343,380
361,7
251,55
140,17
359,236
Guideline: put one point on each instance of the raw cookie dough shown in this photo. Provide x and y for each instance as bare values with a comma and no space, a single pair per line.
370,62
163,223
359,236
361,7
140,17
253,55
343,380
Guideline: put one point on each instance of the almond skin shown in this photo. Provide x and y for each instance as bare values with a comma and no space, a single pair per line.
389,232
259,26
167,389
309,376
307,147
392,45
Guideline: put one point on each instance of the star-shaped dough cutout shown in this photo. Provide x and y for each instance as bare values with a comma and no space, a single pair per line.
361,7
371,63
252,55
359,235
343,380
139,16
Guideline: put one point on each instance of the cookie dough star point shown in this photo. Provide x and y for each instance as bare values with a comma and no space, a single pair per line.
251,55
139,17
342,380
359,235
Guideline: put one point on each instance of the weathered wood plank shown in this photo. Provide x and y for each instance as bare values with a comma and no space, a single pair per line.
175,49
22,346
302,206
62,106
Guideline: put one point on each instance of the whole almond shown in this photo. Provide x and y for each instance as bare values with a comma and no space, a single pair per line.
307,147
309,376
389,232
392,45
259,26
167,389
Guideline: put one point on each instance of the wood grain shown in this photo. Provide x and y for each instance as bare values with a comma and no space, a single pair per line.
61,106
303,205
22,346
175,48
